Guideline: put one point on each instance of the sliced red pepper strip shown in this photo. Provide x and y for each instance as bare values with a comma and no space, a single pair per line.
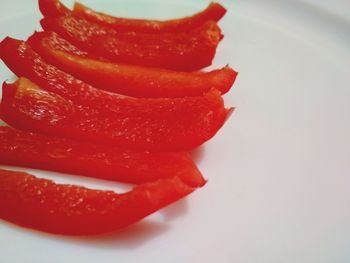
186,51
33,150
127,79
147,124
23,61
43,205
47,39
214,11
52,8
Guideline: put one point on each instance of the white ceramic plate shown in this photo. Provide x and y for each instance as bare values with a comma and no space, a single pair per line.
279,171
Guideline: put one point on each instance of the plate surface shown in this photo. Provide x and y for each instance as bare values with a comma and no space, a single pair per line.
279,171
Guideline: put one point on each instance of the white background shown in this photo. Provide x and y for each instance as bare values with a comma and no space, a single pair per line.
279,171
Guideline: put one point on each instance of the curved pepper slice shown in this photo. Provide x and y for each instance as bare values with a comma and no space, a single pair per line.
213,12
32,150
130,80
147,124
23,61
43,205
54,9
187,51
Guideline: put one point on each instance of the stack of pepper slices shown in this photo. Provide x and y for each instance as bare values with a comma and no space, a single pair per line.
111,98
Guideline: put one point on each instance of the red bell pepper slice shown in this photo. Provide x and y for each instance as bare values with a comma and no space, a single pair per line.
127,79
213,12
33,150
187,51
62,209
23,61
53,8
147,124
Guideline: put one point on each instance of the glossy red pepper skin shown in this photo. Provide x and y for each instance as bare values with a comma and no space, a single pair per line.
33,150
23,61
125,79
144,124
214,12
186,51
43,205
52,8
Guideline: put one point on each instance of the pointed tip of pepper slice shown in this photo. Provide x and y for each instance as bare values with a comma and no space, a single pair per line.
219,9
52,8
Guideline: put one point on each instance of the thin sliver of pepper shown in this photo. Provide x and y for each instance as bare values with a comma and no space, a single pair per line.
43,205
125,79
140,124
38,151
23,61
214,12
186,51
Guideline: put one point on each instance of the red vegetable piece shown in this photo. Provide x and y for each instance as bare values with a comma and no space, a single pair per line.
53,8
147,124
32,150
186,51
214,12
47,39
23,61
127,79
41,204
